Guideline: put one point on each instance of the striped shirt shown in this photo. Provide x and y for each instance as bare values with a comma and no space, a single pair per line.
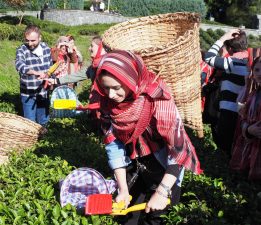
233,77
26,60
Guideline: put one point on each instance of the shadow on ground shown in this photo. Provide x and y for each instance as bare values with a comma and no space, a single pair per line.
10,103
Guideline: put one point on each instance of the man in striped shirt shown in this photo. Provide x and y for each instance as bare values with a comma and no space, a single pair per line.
235,69
33,59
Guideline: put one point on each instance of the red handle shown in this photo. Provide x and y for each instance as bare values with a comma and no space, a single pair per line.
82,108
46,84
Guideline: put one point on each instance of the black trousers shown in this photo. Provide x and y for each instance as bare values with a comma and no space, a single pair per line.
226,129
141,191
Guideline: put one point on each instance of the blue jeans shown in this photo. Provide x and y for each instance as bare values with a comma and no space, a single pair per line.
36,109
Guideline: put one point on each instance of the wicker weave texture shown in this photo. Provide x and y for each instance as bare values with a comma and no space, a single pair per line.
168,43
17,133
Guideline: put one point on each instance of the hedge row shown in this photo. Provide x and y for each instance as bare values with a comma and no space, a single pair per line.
9,31
7,24
152,7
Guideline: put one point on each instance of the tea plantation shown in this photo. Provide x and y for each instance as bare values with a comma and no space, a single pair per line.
29,184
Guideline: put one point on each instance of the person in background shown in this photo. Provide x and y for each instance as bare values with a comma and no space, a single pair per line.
206,72
235,69
210,94
102,6
96,50
33,59
76,66
64,54
246,154
145,140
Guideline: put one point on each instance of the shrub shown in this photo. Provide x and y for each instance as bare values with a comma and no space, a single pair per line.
17,33
87,5
152,7
13,20
204,46
5,31
11,32
70,4
220,32
207,37
48,38
251,37
96,29
189,6
213,34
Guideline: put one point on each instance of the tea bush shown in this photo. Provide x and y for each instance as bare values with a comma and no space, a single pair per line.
208,38
5,31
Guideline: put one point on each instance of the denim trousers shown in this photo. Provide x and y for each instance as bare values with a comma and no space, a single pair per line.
36,109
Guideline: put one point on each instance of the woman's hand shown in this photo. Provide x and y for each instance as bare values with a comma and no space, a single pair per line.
120,175
255,129
230,35
50,81
157,202
123,196
160,199
41,75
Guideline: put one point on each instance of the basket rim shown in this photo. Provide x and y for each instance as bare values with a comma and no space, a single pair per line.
38,127
164,47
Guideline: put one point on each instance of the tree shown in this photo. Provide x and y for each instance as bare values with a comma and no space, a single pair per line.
18,5
218,8
235,12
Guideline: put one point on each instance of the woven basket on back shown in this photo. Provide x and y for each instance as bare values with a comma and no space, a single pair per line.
17,133
168,43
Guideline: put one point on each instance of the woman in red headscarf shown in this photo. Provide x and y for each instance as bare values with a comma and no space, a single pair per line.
147,146
246,152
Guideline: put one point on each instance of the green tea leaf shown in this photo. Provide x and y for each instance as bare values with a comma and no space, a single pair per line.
56,212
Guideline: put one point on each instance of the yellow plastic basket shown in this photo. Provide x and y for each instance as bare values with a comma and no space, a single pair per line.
64,104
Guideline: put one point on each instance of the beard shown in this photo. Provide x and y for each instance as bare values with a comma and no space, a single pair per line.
32,47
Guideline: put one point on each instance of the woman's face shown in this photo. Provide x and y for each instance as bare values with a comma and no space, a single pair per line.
113,88
257,72
63,49
93,49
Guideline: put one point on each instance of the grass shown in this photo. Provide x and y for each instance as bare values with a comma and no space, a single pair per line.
8,74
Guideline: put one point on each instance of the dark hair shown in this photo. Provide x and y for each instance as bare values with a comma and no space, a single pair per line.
32,28
238,43
97,39
70,37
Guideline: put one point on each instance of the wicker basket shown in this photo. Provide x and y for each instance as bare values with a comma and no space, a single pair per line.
169,43
17,133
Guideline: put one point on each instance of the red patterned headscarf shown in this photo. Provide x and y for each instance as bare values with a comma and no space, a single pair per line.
98,56
148,112
130,69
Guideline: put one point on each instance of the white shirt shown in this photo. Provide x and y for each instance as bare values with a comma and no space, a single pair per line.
38,51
